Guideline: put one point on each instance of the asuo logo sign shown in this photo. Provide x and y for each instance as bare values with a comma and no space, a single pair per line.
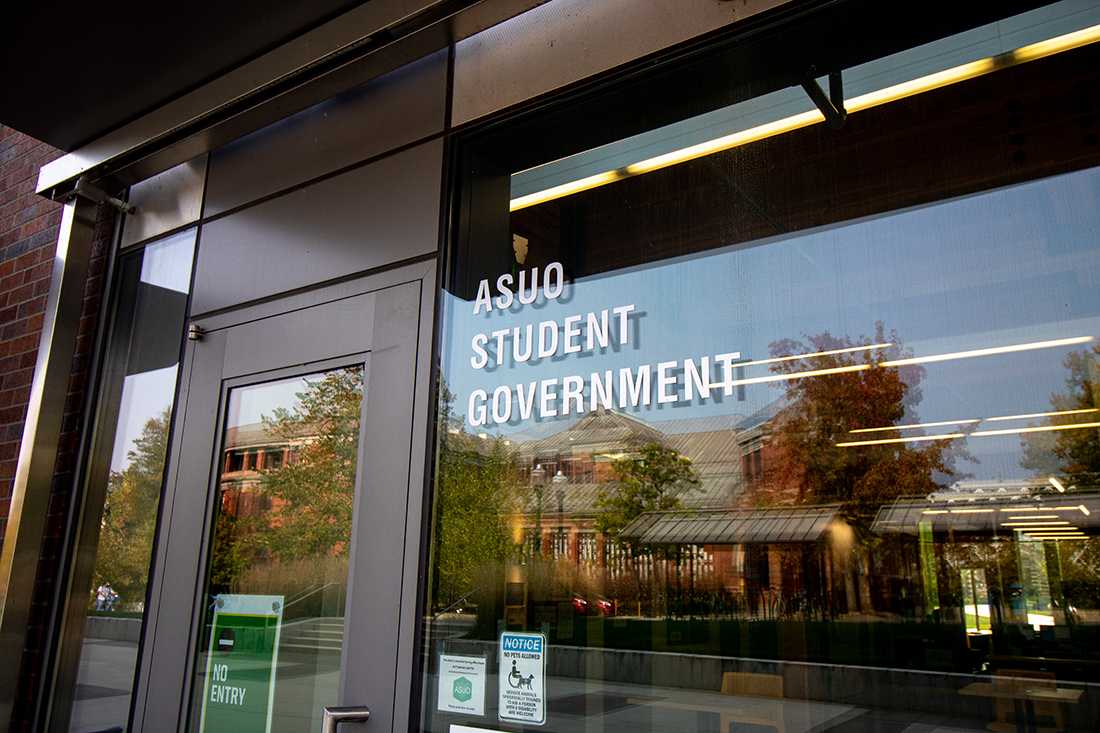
463,689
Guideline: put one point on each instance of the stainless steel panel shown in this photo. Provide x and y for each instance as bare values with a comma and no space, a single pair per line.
26,522
399,108
372,216
565,41
166,201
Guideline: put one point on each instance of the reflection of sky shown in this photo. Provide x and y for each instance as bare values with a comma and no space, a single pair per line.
249,405
166,264
1014,265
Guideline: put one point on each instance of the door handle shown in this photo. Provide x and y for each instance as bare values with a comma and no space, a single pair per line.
343,714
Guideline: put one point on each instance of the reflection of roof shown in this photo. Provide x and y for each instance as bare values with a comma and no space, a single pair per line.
580,498
989,514
733,526
256,435
714,453
600,430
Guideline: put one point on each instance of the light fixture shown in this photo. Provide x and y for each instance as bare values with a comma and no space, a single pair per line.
973,511
977,419
1033,524
1038,516
1039,429
1057,484
910,439
1042,414
831,352
799,375
914,426
929,82
1031,346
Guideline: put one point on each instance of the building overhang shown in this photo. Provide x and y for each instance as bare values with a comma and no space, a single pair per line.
204,81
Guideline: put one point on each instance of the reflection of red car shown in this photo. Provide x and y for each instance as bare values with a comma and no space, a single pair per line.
599,606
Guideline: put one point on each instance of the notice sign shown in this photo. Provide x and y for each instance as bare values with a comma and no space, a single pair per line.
238,692
522,678
462,684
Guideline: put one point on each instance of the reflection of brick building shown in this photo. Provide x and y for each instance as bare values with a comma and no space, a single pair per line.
249,451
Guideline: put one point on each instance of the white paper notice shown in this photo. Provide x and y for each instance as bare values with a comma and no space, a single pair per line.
462,684
522,676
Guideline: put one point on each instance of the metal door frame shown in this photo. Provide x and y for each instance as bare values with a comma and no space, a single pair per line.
394,458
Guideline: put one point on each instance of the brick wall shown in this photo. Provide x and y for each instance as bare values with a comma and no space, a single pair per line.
28,232
28,235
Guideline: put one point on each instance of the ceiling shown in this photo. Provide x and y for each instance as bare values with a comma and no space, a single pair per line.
75,70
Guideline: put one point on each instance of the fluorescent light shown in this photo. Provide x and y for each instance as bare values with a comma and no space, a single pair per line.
1053,532
1043,414
565,189
913,426
910,439
727,142
794,357
964,72
934,511
1057,484
1032,524
1029,509
1040,429
974,511
1039,516
798,375
988,352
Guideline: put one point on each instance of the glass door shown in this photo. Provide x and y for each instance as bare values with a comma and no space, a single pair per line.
289,513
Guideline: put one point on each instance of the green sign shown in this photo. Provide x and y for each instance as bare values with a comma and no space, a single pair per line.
463,689
238,691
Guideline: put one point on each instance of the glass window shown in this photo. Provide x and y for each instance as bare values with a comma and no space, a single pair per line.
269,657
126,472
768,426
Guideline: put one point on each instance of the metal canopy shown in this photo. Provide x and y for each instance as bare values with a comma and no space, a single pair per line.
118,62
370,40
733,526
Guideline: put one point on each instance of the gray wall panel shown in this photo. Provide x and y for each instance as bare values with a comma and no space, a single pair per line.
394,110
166,201
366,218
565,41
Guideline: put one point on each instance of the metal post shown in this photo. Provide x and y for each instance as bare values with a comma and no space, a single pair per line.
34,471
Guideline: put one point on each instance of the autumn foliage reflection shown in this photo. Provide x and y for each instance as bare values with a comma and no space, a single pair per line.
808,466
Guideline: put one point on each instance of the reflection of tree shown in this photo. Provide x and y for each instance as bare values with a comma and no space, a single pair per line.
476,488
653,479
314,493
1073,454
129,514
820,411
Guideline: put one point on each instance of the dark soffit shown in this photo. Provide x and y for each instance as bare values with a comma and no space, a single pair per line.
74,71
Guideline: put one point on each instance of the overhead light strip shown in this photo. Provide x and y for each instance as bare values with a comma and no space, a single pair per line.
1010,349
1039,429
927,83
914,426
813,355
